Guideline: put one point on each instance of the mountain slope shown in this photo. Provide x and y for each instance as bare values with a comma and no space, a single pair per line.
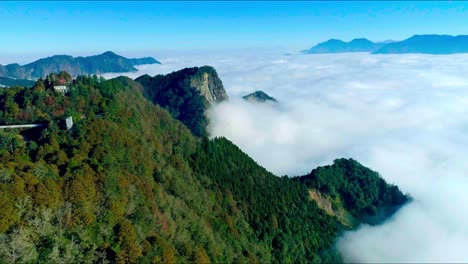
129,183
186,94
339,46
428,44
103,63
357,189
116,187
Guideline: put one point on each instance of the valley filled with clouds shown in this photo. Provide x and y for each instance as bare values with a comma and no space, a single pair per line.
405,116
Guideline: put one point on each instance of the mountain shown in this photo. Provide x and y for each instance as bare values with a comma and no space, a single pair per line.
424,44
259,96
98,64
356,193
339,46
427,44
8,82
186,94
145,60
129,183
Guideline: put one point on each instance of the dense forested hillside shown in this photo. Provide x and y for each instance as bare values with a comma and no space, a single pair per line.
129,183
360,190
97,64
186,94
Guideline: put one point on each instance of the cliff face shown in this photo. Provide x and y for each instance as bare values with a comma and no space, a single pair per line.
186,94
207,82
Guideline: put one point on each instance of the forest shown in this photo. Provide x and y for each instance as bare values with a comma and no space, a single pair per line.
129,183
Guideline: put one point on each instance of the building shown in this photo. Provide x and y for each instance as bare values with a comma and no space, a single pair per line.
61,88
69,122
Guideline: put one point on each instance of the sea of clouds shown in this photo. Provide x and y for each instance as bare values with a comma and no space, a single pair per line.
405,116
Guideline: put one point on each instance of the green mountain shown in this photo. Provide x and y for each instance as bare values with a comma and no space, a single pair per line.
98,64
360,191
259,96
186,94
131,184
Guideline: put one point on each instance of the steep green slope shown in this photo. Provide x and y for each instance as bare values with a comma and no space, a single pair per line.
129,183
278,209
186,94
360,190
126,184
117,186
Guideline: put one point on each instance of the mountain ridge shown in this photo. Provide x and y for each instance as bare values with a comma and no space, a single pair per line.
422,44
428,44
95,64
129,183
339,46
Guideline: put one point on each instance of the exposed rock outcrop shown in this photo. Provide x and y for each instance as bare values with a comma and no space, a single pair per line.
186,94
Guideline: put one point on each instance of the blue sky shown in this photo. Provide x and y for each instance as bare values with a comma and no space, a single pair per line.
86,27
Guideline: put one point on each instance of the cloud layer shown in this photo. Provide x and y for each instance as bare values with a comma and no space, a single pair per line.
405,116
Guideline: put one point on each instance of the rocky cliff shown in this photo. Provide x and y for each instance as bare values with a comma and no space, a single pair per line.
207,82
186,94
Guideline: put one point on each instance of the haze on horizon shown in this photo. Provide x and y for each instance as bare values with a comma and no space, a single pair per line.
36,29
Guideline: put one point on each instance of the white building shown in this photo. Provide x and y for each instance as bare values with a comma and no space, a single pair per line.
69,122
61,88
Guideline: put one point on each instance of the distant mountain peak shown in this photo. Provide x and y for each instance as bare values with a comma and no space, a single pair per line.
109,53
361,40
335,40
259,96
97,64
339,46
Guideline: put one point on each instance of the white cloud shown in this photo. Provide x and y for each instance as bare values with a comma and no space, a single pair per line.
405,116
